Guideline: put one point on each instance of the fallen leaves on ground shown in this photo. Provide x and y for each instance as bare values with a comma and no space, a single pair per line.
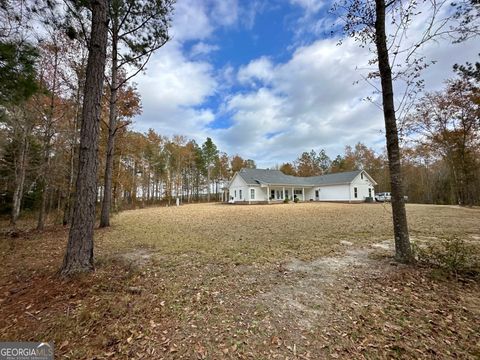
243,282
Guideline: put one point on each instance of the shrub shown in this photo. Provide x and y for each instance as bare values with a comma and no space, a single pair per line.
295,200
286,201
453,255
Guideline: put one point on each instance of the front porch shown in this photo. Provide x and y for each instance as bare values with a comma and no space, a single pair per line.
280,193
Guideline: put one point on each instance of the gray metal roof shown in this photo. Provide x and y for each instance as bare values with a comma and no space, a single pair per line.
276,177
337,178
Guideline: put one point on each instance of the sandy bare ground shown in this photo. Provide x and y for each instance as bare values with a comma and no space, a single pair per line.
212,281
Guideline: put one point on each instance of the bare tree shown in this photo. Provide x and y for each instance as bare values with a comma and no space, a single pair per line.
21,124
403,249
397,59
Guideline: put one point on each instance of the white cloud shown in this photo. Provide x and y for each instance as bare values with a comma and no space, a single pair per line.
174,80
277,110
310,23
259,69
197,20
311,101
177,84
190,21
173,92
249,11
310,6
225,12
202,48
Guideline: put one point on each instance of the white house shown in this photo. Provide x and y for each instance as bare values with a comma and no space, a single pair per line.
260,185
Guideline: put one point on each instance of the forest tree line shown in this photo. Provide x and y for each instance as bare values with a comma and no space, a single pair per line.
440,147
42,88
89,53
39,139
440,152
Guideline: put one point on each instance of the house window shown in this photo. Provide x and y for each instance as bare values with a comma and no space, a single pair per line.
317,195
297,192
252,194
361,176
286,194
272,194
235,194
355,192
369,192
240,194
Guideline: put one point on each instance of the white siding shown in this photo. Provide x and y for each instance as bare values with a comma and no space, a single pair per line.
362,186
309,194
334,193
237,185
260,193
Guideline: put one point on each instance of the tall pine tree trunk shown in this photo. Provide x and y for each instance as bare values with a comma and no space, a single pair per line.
403,252
43,198
46,147
68,210
79,253
112,130
107,186
208,183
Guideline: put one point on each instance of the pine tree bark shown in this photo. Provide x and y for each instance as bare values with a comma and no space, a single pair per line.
403,252
43,198
68,210
208,183
79,254
112,129
46,147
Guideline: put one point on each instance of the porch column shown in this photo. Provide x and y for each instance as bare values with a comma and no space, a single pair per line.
303,193
283,193
268,194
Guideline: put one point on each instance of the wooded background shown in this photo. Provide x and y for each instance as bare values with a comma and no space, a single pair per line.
41,95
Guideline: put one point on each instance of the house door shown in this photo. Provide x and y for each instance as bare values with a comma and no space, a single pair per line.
272,194
317,195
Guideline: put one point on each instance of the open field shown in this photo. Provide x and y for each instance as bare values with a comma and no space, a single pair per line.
306,281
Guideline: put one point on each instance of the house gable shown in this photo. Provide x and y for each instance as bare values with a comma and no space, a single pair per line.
364,178
237,181
362,187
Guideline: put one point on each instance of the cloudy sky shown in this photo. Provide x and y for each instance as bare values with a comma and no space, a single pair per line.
266,80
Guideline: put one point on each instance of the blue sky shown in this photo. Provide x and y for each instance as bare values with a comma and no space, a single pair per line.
264,80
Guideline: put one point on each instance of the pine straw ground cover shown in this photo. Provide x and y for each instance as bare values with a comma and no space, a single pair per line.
289,281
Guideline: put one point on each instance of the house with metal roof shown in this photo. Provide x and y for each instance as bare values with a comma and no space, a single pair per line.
263,185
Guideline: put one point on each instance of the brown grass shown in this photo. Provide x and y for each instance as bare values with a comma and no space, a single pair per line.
219,281
247,234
